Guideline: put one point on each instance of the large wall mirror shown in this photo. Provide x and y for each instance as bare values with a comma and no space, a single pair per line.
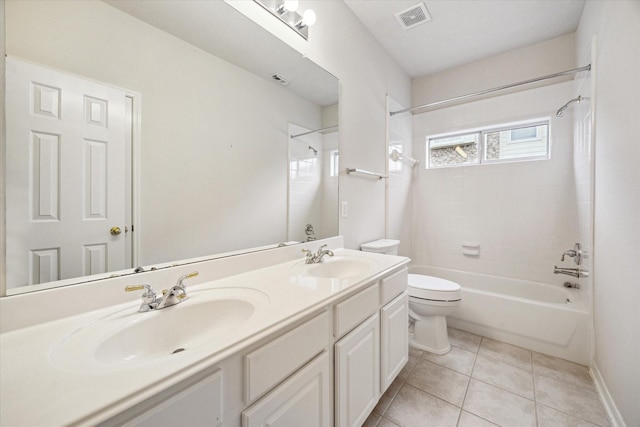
141,133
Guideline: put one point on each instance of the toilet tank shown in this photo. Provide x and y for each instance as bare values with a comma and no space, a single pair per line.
382,246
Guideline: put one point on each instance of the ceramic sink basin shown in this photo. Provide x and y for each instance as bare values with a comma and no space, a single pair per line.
127,338
340,267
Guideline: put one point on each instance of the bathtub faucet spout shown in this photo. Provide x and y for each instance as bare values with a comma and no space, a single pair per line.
575,272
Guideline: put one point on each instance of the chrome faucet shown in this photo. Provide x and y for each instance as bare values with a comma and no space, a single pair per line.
317,257
575,272
576,253
149,297
172,296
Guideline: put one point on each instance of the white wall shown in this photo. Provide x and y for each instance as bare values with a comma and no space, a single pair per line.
340,44
541,59
521,213
616,26
201,118
399,200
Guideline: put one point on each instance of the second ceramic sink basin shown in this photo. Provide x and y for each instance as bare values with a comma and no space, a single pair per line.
127,338
340,267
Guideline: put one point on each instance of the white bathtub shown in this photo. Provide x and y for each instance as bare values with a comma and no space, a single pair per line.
541,317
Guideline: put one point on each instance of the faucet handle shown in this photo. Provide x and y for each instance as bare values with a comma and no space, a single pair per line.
185,277
132,288
576,253
149,294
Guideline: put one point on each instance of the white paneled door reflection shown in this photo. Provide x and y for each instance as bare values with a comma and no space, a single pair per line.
65,185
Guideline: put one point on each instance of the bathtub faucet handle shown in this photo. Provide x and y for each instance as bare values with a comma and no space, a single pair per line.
575,253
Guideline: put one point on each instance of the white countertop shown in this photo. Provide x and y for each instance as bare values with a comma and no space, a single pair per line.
36,391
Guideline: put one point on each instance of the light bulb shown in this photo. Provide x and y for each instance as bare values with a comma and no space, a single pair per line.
290,5
308,18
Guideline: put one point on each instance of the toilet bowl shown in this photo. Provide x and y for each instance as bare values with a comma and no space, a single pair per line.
431,299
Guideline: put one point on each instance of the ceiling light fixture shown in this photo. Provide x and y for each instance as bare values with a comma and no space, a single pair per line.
286,11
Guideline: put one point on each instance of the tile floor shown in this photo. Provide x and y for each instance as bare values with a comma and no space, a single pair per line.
483,382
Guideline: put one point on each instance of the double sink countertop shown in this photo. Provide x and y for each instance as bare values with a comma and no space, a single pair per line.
88,367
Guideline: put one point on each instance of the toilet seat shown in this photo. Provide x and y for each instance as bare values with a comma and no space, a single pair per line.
433,288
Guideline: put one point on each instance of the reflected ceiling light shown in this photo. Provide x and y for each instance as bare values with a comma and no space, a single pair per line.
288,6
286,11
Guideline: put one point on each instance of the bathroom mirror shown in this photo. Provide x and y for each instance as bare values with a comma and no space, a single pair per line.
209,135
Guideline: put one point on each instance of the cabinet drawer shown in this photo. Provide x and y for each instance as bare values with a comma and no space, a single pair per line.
351,312
394,285
302,400
272,363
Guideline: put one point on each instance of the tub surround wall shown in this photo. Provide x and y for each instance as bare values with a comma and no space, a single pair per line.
583,171
522,214
616,26
499,205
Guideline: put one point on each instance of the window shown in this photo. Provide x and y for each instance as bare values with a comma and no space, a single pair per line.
510,142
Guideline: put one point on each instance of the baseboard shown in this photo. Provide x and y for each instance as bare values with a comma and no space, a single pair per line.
609,405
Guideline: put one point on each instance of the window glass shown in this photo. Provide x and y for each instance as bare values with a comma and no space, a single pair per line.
524,142
453,150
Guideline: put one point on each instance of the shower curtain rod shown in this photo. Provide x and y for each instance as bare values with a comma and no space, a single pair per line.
313,131
495,89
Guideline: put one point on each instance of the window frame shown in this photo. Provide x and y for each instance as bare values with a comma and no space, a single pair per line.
483,131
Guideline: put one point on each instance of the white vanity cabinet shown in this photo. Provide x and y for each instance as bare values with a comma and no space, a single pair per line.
329,369
370,356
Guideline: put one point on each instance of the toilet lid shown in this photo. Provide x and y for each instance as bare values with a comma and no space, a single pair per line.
433,288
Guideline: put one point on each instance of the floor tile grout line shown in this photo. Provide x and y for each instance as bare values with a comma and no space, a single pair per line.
535,397
467,389
571,415
446,367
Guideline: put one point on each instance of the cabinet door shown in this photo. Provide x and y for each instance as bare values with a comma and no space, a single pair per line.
394,339
302,400
199,406
357,373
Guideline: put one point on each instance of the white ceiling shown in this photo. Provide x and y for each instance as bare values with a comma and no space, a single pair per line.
463,31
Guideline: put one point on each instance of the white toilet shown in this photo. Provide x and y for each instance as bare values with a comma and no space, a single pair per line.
431,299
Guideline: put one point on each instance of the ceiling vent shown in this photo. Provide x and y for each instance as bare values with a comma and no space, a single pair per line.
413,16
278,78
